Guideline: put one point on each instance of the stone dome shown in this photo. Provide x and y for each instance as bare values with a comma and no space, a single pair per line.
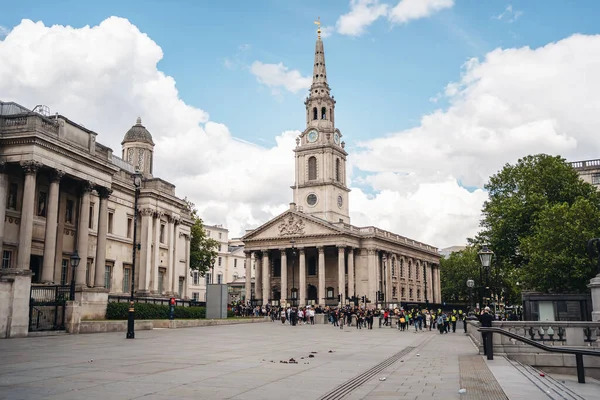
138,133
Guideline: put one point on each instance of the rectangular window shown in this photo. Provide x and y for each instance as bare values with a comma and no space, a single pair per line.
13,190
162,233
207,233
208,278
219,278
235,263
196,278
42,200
394,292
126,279
181,282
219,261
107,276
129,228
111,216
69,211
91,223
64,270
195,296
6,259
595,179
220,235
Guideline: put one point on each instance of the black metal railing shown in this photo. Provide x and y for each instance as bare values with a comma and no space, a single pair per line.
47,305
579,353
157,300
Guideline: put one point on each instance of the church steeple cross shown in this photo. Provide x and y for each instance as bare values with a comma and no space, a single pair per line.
318,23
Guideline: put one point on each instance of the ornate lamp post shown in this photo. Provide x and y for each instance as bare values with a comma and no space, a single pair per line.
470,284
425,284
74,264
293,273
485,256
137,183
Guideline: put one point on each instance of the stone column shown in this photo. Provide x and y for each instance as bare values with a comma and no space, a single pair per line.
372,273
187,265
174,261
143,269
171,270
3,196
258,292
83,233
322,293
284,277
342,274
27,210
248,284
155,263
595,292
266,268
51,226
103,193
351,289
388,279
302,269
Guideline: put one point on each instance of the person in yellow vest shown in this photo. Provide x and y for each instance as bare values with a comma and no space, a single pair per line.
453,320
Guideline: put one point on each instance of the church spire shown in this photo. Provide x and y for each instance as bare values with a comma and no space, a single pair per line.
319,70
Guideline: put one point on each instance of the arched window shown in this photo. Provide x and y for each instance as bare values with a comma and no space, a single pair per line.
331,114
323,113
393,267
410,270
418,294
312,168
315,116
402,269
338,173
417,266
403,292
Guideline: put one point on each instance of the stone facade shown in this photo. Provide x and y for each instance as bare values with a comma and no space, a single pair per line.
311,254
61,191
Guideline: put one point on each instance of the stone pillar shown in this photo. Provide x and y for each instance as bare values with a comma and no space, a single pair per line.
171,270
174,261
388,279
51,227
372,273
595,291
83,233
27,210
284,277
302,269
322,293
248,284
3,196
342,274
143,270
266,283
155,263
187,265
258,292
104,194
351,288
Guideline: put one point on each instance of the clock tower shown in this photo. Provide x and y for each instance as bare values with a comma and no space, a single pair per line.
320,188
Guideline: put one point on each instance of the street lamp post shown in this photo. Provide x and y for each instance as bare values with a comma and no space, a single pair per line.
384,281
137,183
74,264
485,256
293,273
470,284
425,283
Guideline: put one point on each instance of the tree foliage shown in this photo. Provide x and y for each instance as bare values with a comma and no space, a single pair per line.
455,270
537,220
203,250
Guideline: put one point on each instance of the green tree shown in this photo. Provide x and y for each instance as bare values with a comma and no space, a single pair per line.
203,250
520,196
455,270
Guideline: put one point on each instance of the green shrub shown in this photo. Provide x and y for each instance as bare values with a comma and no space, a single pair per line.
230,314
153,311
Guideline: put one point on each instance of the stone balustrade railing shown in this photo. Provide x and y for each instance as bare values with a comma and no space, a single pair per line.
551,333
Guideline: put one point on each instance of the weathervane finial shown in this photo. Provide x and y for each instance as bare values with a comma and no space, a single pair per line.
318,23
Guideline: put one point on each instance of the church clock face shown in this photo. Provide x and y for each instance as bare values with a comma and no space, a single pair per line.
340,201
313,136
311,199
336,138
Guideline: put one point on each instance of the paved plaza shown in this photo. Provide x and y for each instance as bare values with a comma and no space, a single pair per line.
249,362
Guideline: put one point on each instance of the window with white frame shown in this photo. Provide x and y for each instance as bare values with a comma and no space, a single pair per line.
195,296
126,279
219,278
196,278
107,276
64,271
7,258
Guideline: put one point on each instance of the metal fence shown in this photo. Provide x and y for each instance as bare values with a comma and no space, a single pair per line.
47,307
156,300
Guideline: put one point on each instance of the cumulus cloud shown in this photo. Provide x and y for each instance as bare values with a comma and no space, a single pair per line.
363,13
278,76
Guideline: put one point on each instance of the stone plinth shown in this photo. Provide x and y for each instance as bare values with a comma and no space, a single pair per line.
92,303
15,289
595,290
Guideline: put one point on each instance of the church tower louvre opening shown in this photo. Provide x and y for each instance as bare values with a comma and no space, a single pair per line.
321,188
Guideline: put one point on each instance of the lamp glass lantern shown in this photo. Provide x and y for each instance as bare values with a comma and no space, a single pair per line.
470,283
75,260
485,256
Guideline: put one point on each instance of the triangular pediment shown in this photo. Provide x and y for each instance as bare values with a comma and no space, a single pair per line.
292,224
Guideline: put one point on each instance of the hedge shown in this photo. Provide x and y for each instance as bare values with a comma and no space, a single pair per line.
153,311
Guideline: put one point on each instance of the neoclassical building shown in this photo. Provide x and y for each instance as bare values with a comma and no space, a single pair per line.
61,191
312,254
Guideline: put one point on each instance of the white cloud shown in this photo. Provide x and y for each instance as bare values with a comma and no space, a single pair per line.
278,76
509,14
407,10
4,31
363,13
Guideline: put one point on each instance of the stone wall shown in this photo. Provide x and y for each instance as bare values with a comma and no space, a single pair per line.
15,289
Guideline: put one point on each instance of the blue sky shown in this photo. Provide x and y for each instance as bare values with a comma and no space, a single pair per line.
383,80
433,96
